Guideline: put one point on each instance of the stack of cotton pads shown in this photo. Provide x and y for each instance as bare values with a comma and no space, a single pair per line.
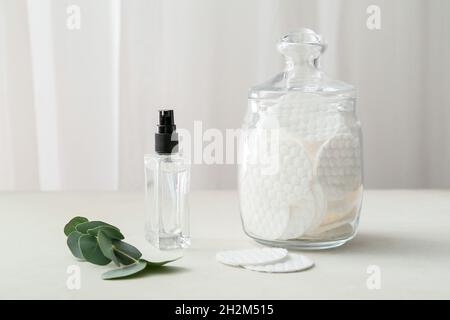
314,181
280,204
272,260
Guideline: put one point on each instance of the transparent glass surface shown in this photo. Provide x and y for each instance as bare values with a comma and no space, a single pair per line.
167,208
300,171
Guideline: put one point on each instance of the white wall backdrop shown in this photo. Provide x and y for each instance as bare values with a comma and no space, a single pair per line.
78,107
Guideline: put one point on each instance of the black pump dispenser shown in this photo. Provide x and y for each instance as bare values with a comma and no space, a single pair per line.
166,139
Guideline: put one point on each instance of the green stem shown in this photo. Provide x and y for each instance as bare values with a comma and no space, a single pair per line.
128,256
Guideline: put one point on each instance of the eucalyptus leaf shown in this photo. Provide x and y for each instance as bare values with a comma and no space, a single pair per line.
70,226
84,227
109,231
126,253
100,243
72,243
91,250
151,264
125,271
106,246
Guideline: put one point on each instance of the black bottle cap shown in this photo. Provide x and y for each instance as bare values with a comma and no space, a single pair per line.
166,138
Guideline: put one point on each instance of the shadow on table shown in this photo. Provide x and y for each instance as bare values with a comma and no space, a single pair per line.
379,243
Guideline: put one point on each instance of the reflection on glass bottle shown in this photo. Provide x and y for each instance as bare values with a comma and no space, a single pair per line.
167,176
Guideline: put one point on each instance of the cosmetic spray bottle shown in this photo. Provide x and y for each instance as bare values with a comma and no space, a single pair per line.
167,178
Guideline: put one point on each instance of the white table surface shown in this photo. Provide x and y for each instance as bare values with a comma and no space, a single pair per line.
405,233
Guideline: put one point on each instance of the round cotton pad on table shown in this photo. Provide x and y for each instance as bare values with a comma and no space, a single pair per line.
251,256
339,166
293,262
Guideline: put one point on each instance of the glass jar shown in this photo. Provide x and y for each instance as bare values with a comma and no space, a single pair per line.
300,168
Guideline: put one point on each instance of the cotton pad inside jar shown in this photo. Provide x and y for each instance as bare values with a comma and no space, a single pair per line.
338,166
279,203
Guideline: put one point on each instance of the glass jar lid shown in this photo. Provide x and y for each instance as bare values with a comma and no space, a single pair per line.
302,49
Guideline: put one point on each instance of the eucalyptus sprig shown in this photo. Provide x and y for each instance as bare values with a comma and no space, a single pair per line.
100,243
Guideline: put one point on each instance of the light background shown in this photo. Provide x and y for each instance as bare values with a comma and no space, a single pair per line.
78,108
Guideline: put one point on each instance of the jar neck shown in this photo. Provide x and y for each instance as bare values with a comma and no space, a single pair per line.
301,63
301,67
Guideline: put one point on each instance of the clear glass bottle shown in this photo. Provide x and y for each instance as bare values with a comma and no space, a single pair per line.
300,170
167,177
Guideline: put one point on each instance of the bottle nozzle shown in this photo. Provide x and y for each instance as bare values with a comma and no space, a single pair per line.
166,139
166,121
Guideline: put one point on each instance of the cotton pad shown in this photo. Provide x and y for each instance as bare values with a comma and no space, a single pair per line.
338,209
301,215
338,166
334,230
336,222
309,118
251,256
267,196
305,214
293,262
